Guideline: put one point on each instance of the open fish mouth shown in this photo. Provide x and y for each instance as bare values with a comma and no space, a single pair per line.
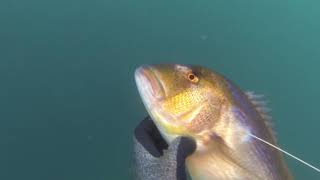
152,93
148,84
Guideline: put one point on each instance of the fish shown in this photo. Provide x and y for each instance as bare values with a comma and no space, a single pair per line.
225,122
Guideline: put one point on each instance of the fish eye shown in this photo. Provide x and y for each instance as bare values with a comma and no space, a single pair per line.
193,78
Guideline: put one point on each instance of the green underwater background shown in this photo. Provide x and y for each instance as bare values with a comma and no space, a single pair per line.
68,101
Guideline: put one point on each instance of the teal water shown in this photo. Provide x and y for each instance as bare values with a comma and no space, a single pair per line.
68,102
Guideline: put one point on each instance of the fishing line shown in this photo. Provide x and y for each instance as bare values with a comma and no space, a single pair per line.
285,152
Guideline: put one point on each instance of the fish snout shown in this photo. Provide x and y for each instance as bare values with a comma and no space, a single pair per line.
148,84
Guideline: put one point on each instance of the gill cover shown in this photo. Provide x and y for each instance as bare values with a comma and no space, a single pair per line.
182,100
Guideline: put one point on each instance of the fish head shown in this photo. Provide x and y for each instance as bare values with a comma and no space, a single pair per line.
182,100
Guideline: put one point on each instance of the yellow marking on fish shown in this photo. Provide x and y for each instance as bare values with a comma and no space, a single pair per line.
197,102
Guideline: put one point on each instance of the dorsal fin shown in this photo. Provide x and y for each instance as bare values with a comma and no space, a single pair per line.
261,106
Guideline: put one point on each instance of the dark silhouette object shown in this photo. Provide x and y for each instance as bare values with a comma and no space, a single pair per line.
154,158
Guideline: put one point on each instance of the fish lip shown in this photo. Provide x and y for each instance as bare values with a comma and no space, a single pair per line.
148,83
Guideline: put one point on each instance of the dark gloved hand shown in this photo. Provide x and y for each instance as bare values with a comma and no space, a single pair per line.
154,159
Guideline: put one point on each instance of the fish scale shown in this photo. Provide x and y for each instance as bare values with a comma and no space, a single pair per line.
219,116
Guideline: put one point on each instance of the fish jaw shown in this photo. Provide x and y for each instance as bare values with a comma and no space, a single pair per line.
152,93
148,86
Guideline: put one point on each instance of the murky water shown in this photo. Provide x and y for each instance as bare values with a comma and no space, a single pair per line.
68,102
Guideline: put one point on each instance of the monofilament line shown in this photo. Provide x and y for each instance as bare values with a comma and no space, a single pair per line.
285,152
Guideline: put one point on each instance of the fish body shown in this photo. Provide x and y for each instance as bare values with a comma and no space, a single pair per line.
196,102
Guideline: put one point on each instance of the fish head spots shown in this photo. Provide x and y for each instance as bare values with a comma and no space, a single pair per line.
185,100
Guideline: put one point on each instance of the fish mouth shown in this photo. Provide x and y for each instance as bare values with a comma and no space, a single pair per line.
149,85
152,93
